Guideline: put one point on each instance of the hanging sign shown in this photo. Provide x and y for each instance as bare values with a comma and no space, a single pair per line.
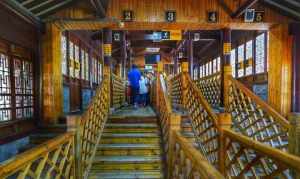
165,35
227,48
170,16
127,15
249,15
117,36
107,50
212,17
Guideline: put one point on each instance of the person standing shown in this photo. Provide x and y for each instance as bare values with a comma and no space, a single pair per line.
143,91
134,77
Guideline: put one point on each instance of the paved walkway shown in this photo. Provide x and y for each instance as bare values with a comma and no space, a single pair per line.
135,112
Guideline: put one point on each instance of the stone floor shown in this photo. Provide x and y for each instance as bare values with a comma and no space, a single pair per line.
135,112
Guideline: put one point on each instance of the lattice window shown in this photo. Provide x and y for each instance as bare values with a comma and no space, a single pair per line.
215,68
249,57
23,75
64,54
99,72
206,69
77,62
260,53
200,71
86,65
241,57
218,63
209,67
195,73
71,59
82,64
5,89
232,61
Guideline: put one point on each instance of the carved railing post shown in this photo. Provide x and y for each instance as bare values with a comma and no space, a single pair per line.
78,145
226,89
294,138
175,121
160,67
224,122
184,82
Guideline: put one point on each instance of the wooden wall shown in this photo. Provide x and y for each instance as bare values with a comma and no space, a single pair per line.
280,61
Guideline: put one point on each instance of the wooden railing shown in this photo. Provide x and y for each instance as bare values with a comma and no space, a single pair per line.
118,91
183,160
175,91
251,115
210,86
255,118
234,155
69,155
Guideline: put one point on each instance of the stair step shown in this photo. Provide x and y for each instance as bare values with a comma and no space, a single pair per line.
131,128
128,149
127,175
132,119
127,159
130,135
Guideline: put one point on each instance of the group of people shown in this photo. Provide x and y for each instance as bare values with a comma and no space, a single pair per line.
139,86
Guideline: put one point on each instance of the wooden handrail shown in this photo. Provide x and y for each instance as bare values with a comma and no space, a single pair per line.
291,161
118,91
199,163
209,76
265,106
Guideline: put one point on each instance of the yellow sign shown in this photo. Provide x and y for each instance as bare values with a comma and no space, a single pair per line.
107,50
227,48
175,35
185,66
160,66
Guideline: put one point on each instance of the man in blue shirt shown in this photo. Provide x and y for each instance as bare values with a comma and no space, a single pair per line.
134,77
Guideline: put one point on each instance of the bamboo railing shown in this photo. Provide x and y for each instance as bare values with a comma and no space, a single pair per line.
70,155
183,160
118,91
251,115
175,91
233,154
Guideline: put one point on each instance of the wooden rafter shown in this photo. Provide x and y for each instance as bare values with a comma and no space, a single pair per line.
246,5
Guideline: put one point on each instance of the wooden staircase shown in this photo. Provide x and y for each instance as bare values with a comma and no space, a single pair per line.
130,147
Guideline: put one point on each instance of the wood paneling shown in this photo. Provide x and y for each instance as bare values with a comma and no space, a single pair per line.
52,77
279,75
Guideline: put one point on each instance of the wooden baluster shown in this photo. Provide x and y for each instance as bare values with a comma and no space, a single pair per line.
175,121
224,122
184,82
294,138
160,67
227,84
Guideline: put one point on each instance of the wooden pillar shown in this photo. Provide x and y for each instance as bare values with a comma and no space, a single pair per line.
224,122
294,138
295,32
52,85
160,68
124,55
190,55
225,66
184,80
107,47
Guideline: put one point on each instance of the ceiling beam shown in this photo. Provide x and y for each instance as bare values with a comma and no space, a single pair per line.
283,8
205,48
58,5
98,6
246,5
24,13
225,7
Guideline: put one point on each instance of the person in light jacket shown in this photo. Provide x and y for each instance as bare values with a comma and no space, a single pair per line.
143,91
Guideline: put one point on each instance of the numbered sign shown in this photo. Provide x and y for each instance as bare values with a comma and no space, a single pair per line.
127,15
226,48
117,36
249,15
196,36
170,16
259,16
107,50
212,16
165,35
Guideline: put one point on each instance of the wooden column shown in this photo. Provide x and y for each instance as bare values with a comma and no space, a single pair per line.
160,68
224,121
124,55
294,138
184,80
295,32
107,47
52,84
225,65
190,55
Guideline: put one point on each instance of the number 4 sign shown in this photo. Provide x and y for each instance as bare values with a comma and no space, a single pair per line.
212,17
